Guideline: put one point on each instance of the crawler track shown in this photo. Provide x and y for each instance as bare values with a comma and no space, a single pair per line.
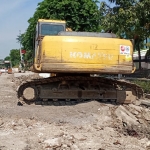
68,90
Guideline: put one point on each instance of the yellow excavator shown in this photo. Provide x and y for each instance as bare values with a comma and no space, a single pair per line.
73,59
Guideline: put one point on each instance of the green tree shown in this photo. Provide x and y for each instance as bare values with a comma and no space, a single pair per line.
20,38
128,19
80,15
15,57
7,58
27,56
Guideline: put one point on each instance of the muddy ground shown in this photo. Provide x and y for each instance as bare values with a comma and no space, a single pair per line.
91,125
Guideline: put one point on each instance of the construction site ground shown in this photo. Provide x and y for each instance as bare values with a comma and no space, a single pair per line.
90,125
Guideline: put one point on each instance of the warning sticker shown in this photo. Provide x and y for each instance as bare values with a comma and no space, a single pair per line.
124,50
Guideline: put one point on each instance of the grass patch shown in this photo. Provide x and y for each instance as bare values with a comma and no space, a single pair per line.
145,85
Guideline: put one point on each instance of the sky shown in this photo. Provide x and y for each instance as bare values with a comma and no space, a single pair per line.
14,16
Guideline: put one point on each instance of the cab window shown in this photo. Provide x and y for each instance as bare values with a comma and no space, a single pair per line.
51,29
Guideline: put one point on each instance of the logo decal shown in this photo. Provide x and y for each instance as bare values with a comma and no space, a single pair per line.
124,50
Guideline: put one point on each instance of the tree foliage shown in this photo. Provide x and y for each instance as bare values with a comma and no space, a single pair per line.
80,15
15,57
20,39
128,19
7,58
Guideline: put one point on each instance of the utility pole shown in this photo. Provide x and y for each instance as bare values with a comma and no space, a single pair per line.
20,44
20,64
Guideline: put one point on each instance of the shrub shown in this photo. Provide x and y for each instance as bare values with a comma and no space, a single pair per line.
145,84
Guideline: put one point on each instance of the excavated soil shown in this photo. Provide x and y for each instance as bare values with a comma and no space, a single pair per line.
89,125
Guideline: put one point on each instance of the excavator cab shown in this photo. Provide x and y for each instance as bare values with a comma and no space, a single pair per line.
49,27
46,28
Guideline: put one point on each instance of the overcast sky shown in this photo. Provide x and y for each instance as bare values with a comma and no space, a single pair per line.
14,15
